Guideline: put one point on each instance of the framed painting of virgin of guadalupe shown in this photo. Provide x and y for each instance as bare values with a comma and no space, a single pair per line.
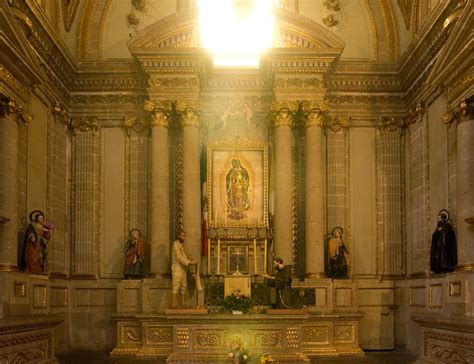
237,183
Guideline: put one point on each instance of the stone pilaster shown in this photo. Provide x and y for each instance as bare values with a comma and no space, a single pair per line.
314,199
463,114
10,114
283,116
389,202
189,116
159,189
86,197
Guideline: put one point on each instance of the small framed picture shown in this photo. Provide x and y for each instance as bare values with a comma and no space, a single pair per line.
237,259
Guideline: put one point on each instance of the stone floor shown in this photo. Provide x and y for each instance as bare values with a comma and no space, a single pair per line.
375,357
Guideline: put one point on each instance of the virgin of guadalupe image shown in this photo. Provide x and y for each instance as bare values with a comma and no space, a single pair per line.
237,185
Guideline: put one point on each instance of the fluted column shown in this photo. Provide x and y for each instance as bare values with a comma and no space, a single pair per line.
86,178
159,189
189,116
465,184
10,115
314,198
283,115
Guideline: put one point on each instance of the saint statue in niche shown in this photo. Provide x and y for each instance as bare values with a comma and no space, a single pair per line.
338,255
444,256
134,253
237,183
35,244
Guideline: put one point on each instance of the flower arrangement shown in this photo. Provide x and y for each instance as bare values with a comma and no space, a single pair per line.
238,353
266,358
237,302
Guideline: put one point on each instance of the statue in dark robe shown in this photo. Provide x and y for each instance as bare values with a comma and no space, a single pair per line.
444,255
281,280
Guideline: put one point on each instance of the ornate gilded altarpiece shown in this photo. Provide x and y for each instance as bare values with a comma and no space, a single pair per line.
237,183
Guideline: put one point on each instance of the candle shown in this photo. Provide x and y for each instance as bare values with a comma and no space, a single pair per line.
215,218
248,220
225,219
218,256
258,222
265,257
208,256
255,256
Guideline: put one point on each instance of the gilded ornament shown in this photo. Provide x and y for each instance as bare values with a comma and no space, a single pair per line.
330,21
415,114
188,112
69,8
132,19
462,112
133,123
59,113
10,109
283,113
390,123
84,124
332,5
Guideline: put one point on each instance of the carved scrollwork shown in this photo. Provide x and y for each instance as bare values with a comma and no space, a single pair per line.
60,114
10,109
462,112
390,124
189,113
317,334
207,338
84,124
315,113
130,334
284,112
415,114
267,339
336,124
159,334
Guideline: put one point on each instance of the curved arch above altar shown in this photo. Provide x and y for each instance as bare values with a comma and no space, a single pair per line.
181,30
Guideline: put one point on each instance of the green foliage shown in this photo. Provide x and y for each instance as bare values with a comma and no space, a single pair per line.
237,302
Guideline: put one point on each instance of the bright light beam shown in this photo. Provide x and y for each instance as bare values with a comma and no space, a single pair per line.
235,38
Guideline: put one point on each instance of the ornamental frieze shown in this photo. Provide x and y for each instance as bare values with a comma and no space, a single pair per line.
84,124
108,99
10,109
299,83
174,82
159,335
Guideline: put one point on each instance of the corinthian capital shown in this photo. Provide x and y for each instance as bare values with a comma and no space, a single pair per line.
189,112
315,113
463,111
9,109
160,112
283,113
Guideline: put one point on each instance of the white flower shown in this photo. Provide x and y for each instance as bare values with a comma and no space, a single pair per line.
245,357
231,355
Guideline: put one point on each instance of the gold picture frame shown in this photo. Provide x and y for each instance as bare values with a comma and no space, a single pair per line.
238,259
237,183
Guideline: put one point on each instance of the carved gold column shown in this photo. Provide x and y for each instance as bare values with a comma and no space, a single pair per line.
159,189
189,115
283,116
10,115
314,199
464,115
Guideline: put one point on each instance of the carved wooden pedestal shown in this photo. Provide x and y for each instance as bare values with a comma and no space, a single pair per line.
28,340
290,338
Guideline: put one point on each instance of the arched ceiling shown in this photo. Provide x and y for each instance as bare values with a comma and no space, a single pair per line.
374,30
368,28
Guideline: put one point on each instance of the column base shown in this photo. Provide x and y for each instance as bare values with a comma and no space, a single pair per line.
315,275
468,267
9,268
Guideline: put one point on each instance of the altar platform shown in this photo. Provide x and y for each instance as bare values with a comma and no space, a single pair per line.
200,337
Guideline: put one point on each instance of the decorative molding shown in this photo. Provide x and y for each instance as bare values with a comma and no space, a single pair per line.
134,123
330,21
406,7
463,111
60,114
69,9
415,114
390,124
108,99
315,113
283,113
84,124
160,112
10,109
189,113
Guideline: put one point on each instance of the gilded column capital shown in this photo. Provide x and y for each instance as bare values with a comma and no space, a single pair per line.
160,112
84,124
134,123
59,113
336,124
10,109
463,111
283,113
315,113
189,112
390,123
415,114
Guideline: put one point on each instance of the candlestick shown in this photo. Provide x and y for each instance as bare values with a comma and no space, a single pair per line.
208,256
265,257
225,219
218,256
215,218
255,256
